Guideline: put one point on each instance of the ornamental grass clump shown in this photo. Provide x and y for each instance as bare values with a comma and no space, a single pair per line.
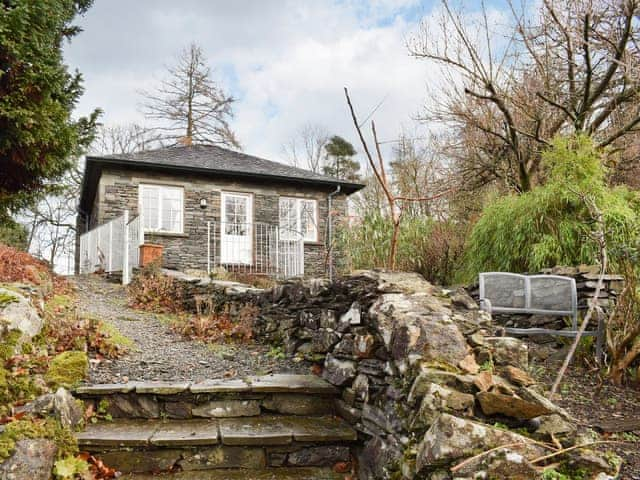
551,225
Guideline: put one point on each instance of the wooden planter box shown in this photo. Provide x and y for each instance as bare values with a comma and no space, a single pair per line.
150,253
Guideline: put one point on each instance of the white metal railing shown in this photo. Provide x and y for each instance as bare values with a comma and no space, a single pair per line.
255,248
112,247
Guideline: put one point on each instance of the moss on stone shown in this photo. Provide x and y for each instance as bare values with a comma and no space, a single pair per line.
67,369
115,337
31,428
8,343
7,298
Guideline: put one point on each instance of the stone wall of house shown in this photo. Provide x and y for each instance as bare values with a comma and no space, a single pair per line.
118,190
424,379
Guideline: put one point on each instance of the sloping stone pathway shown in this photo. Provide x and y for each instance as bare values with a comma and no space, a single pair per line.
159,353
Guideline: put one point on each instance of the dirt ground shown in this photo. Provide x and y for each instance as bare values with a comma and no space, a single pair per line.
600,405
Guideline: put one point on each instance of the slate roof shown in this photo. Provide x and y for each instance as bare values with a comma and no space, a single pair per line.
207,159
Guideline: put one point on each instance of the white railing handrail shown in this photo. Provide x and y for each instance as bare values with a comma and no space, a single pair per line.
112,246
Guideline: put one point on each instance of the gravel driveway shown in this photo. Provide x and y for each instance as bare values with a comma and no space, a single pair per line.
159,353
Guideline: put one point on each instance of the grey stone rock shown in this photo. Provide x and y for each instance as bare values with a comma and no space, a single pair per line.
428,376
451,438
308,320
223,457
294,404
360,387
141,461
344,348
178,410
319,456
227,408
19,315
503,464
438,399
133,406
508,351
554,424
328,319
418,327
324,339
364,345
461,298
339,372
376,457
352,316
67,409
32,459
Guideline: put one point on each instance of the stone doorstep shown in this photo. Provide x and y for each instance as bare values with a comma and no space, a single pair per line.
263,430
280,473
276,383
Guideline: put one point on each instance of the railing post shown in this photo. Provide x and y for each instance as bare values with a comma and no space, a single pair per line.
125,254
110,262
209,249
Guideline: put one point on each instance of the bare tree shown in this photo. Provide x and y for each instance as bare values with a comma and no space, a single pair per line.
306,149
397,203
574,67
125,139
189,106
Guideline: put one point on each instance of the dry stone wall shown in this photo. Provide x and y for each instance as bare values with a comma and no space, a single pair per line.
423,379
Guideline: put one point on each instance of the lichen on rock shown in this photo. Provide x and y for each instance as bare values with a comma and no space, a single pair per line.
67,369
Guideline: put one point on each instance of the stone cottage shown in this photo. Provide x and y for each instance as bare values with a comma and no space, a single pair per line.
210,207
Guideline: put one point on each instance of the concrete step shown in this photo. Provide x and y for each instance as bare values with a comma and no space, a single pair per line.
252,396
209,444
247,474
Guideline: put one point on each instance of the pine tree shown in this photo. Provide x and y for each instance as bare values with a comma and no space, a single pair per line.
38,137
339,160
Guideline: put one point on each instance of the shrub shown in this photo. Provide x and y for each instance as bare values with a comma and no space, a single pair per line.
67,369
551,225
13,234
151,290
429,247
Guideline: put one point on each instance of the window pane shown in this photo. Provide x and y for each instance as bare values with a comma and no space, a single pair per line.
150,207
288,218
308,221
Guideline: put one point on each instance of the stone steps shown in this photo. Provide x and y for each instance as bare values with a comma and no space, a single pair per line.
208,444
276,426
247,474
281,394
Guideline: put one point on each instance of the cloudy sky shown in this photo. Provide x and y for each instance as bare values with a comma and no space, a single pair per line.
285,61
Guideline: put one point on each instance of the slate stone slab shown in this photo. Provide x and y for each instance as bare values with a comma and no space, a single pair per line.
185,432
105,389
146,461
162,388
279,383
227,408
121,433
263,430
247,474
220,386
320,429
223,457
298,404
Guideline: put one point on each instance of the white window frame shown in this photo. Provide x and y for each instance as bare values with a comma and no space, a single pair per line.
298,206
158,223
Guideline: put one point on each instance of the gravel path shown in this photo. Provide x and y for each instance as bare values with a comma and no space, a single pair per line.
159,353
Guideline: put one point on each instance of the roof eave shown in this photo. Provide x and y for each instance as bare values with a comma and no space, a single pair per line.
346,187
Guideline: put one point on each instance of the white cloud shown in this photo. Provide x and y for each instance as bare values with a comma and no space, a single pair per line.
287,62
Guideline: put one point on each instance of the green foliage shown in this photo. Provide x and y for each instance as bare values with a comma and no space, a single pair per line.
13,234
551,225
38,137
429,247
340,163
67,468
67,369
30,428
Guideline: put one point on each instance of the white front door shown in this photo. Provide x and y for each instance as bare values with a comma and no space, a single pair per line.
236,246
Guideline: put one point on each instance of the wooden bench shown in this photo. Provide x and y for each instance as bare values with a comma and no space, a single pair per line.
553,295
